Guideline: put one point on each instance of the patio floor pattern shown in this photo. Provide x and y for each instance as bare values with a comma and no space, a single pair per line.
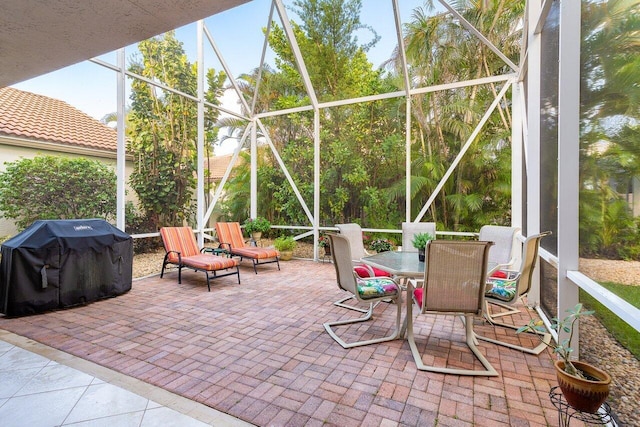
258,351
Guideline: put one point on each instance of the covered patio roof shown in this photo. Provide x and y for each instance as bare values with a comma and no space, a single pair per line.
37,37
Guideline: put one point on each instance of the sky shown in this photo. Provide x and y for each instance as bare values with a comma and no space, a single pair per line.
238,35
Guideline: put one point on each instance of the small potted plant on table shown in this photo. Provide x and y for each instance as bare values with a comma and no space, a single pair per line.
419,242
584,386
285,245
256,226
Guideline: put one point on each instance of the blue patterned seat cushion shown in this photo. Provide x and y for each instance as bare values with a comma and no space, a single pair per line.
376,287
504,290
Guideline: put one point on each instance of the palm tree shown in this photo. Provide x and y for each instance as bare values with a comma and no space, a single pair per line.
439,51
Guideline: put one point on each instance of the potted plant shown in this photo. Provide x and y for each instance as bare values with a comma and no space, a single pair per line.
380,245
285,245
419,242
323,242
255,227
584,386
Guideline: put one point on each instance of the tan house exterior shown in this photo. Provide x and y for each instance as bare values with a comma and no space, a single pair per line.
32,125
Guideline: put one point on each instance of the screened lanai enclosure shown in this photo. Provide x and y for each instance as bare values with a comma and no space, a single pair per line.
505,112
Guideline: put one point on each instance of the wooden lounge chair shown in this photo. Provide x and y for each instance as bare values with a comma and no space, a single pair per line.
182,251
231,239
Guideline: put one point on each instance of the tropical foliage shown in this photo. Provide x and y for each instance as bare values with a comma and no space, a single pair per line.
362,166
362,170
610,133
50,187
162,130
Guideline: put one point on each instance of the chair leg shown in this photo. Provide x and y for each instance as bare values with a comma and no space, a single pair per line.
164,264
341,301
545,338
368,315
490,316
468,323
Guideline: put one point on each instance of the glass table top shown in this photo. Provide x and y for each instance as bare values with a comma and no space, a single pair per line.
397,263
400,263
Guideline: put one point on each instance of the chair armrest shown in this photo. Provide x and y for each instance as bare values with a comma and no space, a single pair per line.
174,252
415,283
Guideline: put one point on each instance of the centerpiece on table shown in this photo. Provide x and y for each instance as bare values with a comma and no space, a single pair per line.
419,242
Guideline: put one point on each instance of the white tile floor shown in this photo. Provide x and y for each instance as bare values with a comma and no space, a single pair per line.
38,391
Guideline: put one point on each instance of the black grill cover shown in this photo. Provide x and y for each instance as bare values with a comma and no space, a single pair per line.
61,263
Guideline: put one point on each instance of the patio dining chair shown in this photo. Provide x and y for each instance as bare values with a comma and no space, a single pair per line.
509,292
453,284
182,251
231,239
353,232
503,252
369,290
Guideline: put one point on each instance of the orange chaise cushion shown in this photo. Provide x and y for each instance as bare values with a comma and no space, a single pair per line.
254,252
209,262
179,239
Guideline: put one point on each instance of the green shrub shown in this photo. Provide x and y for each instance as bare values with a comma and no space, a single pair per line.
50,187
284,243
257,225
139,223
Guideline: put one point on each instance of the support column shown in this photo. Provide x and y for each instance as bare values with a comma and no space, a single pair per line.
121,161
568,158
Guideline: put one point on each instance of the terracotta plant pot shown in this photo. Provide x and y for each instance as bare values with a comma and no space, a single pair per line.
256,235
286,255
585,395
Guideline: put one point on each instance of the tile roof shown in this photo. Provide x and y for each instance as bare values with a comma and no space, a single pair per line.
37,117
217,166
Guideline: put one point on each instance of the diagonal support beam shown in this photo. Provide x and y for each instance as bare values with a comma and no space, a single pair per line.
462,152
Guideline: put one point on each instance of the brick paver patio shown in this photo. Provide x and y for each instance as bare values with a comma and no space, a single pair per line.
258,351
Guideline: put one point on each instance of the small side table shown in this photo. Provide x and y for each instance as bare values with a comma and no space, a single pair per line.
566,412
217,251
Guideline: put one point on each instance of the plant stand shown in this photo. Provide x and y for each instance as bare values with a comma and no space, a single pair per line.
566,412
326,253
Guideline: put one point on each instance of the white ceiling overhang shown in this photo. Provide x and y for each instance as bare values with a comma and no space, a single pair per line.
37,37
